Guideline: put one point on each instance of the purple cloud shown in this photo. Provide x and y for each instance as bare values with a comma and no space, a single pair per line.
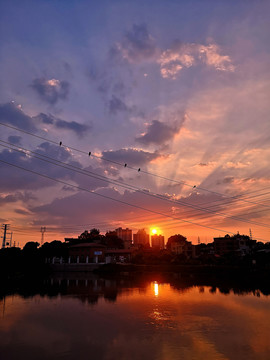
137,45
51,90
159,132
10,113
132,157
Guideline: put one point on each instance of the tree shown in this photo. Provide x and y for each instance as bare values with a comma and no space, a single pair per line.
113,241
55,248
175,238
31,246
94,232
90,236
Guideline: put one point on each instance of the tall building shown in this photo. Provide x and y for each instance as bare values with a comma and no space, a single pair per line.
125,235
141,238
157,241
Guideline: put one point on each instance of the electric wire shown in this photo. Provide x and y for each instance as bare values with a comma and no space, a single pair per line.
181,182
116,200
102,178
117,182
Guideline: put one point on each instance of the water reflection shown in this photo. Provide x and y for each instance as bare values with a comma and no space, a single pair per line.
84,316
156,288
90,287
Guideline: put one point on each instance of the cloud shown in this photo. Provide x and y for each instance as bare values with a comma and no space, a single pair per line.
172,61
210,55
181,56
132,157
95,178
22,211
226,180
159,132
46,119
18,179
14,139
203,164
236,165
116,105
77,207
68,188
56,152
79,129
137,45
51,90
10,113
17,196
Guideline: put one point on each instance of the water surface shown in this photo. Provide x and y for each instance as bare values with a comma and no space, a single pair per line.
88,317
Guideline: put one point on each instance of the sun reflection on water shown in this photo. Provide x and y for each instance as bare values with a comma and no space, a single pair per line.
156,288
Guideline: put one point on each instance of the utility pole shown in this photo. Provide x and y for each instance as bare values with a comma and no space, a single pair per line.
42,230
5,227
11,239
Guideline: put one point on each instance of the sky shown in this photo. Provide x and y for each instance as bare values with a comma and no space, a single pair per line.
177,90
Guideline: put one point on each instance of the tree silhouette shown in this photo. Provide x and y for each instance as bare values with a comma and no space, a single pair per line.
175,238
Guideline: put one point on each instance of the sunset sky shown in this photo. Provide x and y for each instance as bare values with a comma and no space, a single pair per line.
177,89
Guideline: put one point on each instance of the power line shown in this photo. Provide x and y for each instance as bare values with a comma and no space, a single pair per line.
116,200
125,165
158,219
129,187
117,182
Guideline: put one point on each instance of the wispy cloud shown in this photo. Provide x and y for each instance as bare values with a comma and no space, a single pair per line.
79,129
159,133
137,45
182,56
133,157
11,113
51,90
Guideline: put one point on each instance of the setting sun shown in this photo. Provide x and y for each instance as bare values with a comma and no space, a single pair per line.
154,231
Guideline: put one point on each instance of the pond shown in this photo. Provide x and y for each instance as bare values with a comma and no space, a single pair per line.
85,316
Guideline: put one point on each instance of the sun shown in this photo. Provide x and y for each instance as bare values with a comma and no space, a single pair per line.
154,231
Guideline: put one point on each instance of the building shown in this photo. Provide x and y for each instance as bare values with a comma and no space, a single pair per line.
157,241
241,244
118,255
87,253
126,236
141,239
